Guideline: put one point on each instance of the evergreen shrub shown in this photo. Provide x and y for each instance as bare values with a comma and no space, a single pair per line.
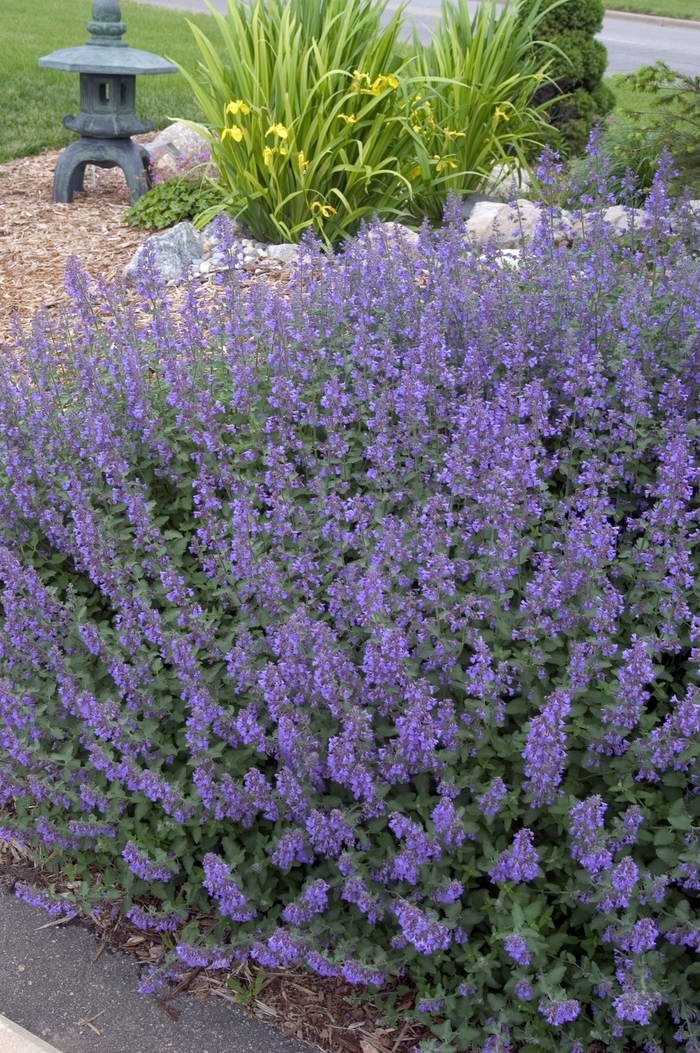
577,96
363,619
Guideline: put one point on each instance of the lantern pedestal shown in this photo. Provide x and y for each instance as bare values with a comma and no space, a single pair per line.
103,153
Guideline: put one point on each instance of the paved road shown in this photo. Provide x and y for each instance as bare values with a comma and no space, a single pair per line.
49,981
630,44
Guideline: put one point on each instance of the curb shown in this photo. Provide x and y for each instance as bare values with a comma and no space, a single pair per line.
652,20
14,1039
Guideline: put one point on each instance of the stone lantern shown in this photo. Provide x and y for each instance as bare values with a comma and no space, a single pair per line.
108,68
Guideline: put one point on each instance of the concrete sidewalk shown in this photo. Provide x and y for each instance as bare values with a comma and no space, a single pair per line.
48,983
14,1039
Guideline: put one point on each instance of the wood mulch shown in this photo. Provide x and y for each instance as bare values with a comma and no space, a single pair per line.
37,237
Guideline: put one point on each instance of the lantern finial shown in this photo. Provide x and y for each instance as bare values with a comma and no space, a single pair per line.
106,26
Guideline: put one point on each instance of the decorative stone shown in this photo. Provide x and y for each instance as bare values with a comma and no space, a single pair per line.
175,250
512,227
507,181
619,217
411,237
282,253
178,140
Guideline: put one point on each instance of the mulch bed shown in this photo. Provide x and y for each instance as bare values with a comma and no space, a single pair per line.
37,237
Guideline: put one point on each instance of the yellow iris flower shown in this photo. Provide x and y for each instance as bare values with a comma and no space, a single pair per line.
234,133
349,118
303,163
325,210
362,83
238,106
443,162
500,114
268,154
279,130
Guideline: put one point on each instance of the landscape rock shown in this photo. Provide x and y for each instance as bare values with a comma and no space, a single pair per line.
175,250
513,226
483,216
176,141
506,182
411,237
181,140
620,217
282,253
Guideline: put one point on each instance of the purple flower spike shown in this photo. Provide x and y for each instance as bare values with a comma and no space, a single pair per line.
519,862
558,1013
517,949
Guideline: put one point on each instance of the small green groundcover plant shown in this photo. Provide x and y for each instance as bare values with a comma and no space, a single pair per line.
172,200
358,625
318,118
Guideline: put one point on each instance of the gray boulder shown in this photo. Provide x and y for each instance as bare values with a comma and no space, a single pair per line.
620,217
282,253
513,227
176,141
506,182
175,249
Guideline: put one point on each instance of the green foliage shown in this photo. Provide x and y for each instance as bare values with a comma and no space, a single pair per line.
180,197
577,98
319,118
674,124
474,109
304,113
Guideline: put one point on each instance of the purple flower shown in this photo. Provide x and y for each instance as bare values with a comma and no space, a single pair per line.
519,862
523,990
219,883
421,930
545,752
490,802
313,900
557,1013
140,865
517,949
430,1005
588,845
641,937
636,1006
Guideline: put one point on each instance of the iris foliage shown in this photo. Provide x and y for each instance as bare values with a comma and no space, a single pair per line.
364,618
319,118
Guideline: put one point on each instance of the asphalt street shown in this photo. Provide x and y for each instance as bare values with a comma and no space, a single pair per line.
50,981
630,43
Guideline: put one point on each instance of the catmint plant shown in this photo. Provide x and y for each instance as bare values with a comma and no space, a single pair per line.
356,626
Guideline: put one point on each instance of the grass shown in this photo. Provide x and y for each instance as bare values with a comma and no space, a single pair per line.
33,100
668,8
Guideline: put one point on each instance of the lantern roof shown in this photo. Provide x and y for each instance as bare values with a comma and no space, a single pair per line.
106,53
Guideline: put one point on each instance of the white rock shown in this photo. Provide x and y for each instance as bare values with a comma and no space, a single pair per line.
174,250
507,181
282,253
180,140
480,223
513,226
411,237
619,217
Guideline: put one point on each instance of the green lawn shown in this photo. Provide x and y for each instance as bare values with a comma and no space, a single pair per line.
33,100
671,8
